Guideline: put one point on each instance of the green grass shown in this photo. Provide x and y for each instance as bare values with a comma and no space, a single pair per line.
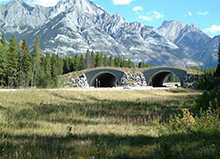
99,124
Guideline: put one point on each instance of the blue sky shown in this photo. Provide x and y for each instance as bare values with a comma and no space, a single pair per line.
203,13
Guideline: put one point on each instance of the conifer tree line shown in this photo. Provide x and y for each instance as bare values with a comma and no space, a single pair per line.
94,60
21,68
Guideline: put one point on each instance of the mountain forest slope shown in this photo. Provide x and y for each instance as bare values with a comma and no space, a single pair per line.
73,26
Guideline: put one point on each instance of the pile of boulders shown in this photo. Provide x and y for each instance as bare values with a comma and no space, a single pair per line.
134,79
190,80
79,82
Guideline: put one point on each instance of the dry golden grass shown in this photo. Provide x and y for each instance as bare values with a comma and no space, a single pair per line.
42,117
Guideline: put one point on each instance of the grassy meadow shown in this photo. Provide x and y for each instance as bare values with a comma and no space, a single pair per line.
104,124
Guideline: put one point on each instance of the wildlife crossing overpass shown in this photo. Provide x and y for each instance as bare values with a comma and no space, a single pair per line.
110,77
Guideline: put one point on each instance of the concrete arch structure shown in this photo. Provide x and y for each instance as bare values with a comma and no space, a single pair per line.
110,77
104,77
158,75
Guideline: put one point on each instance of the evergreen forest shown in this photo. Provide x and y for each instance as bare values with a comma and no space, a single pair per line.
20,68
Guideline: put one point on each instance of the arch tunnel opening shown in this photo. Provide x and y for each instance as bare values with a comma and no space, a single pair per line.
104,79
159,78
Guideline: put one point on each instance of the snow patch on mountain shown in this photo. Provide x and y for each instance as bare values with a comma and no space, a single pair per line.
66,39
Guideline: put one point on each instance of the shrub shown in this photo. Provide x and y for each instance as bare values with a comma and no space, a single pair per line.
206,121
205,84
208,99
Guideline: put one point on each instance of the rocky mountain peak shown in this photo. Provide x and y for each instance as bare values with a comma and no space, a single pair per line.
73,26
12,4
81,6
193,27
18,16
171,29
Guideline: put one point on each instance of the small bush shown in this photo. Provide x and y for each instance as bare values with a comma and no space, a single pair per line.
182,123
205,84
207,121
199,135
208,99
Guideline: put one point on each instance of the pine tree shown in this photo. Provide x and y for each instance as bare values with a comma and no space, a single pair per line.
41,77
117,62
111,61
66,66
124,63
101,59
98,62
77,64
20,49
72,63
25,65
89,59
217,73
37,54
3,60
140,64
47,69
3,41
54,70
82,61
130,64
12,63
59,64
92,60
105,61
3,64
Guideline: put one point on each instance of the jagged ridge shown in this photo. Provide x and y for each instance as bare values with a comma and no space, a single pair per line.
73,26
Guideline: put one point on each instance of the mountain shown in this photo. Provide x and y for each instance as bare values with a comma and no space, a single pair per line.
209,54
73,26
198,45
17,16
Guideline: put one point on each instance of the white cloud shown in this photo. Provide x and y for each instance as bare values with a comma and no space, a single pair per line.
145,18
157,15
121,2
46,3
212,29
203,13
189,13
138,8
151,16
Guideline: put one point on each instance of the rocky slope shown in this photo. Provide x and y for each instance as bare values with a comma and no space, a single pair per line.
73,26
190,39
